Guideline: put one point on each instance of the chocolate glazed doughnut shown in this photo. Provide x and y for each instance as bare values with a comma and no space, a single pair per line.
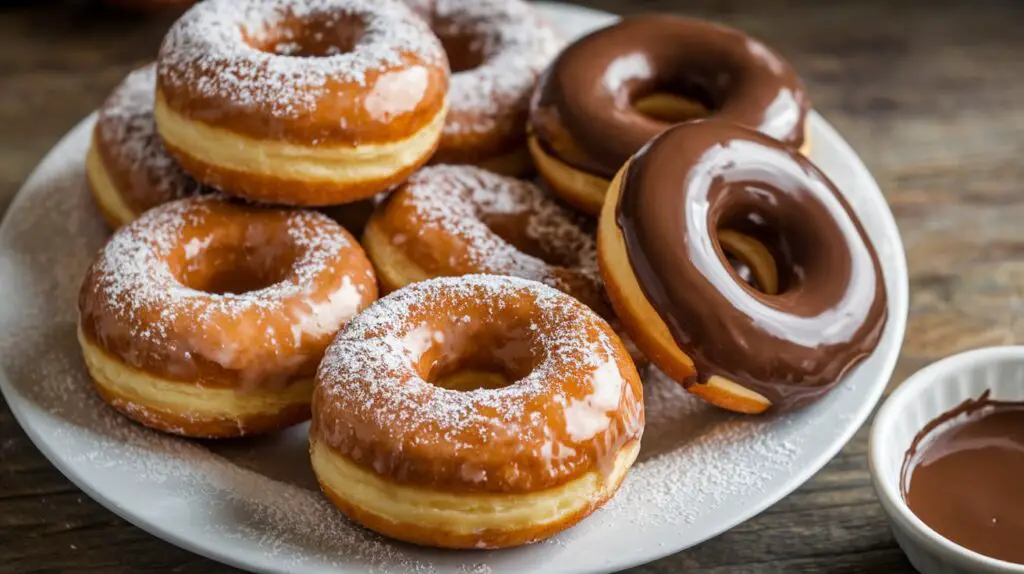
593,107
664,257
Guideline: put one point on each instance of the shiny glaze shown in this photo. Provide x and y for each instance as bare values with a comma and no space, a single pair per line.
226,84
964,482
576,400
160,297
699,177
582,110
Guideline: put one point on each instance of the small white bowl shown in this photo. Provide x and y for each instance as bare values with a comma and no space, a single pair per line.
919,400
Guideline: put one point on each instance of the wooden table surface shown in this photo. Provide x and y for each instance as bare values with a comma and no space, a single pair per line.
931,94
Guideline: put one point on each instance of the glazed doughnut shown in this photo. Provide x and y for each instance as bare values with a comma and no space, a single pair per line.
496,49
474,412
609,93
449,220
301,102
207,318
701,190
128,168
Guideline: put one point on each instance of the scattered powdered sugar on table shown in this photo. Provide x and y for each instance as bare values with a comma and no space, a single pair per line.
258,508
515,44
209,51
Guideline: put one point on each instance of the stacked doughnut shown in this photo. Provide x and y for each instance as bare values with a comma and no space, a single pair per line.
491,398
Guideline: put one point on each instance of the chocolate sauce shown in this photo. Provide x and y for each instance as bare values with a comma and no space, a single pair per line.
589,90
699,177
965,482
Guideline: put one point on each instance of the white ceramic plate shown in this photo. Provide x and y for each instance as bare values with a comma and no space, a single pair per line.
254,504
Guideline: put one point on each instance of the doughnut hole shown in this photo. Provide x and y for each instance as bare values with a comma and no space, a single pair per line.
317,36
234,260
670,108
467,354
759,254
751,261
681,99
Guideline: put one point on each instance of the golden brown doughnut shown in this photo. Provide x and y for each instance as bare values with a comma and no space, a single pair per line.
539,435
449,220
703,191
128,168
301,102
207,318
496,49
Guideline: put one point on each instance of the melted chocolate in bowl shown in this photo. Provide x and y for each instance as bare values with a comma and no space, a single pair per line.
967,481
698,178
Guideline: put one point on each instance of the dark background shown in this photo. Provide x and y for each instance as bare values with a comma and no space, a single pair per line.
931,94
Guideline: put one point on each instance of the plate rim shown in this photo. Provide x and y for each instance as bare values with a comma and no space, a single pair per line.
21,408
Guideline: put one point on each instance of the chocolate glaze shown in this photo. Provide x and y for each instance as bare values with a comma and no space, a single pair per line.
582,109
965,483
699,177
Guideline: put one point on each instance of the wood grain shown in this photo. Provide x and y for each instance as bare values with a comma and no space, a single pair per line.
929,93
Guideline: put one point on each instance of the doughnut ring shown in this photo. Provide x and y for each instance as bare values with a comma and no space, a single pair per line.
609,93
127,167
299,103
702,193
538,435
207,318
496,50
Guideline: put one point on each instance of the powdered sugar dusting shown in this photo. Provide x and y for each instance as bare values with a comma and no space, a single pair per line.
132,293
515,43
128,130
696,457
256,502
458,199
133,273
233,501
279,516
535,419
422,8
209,51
